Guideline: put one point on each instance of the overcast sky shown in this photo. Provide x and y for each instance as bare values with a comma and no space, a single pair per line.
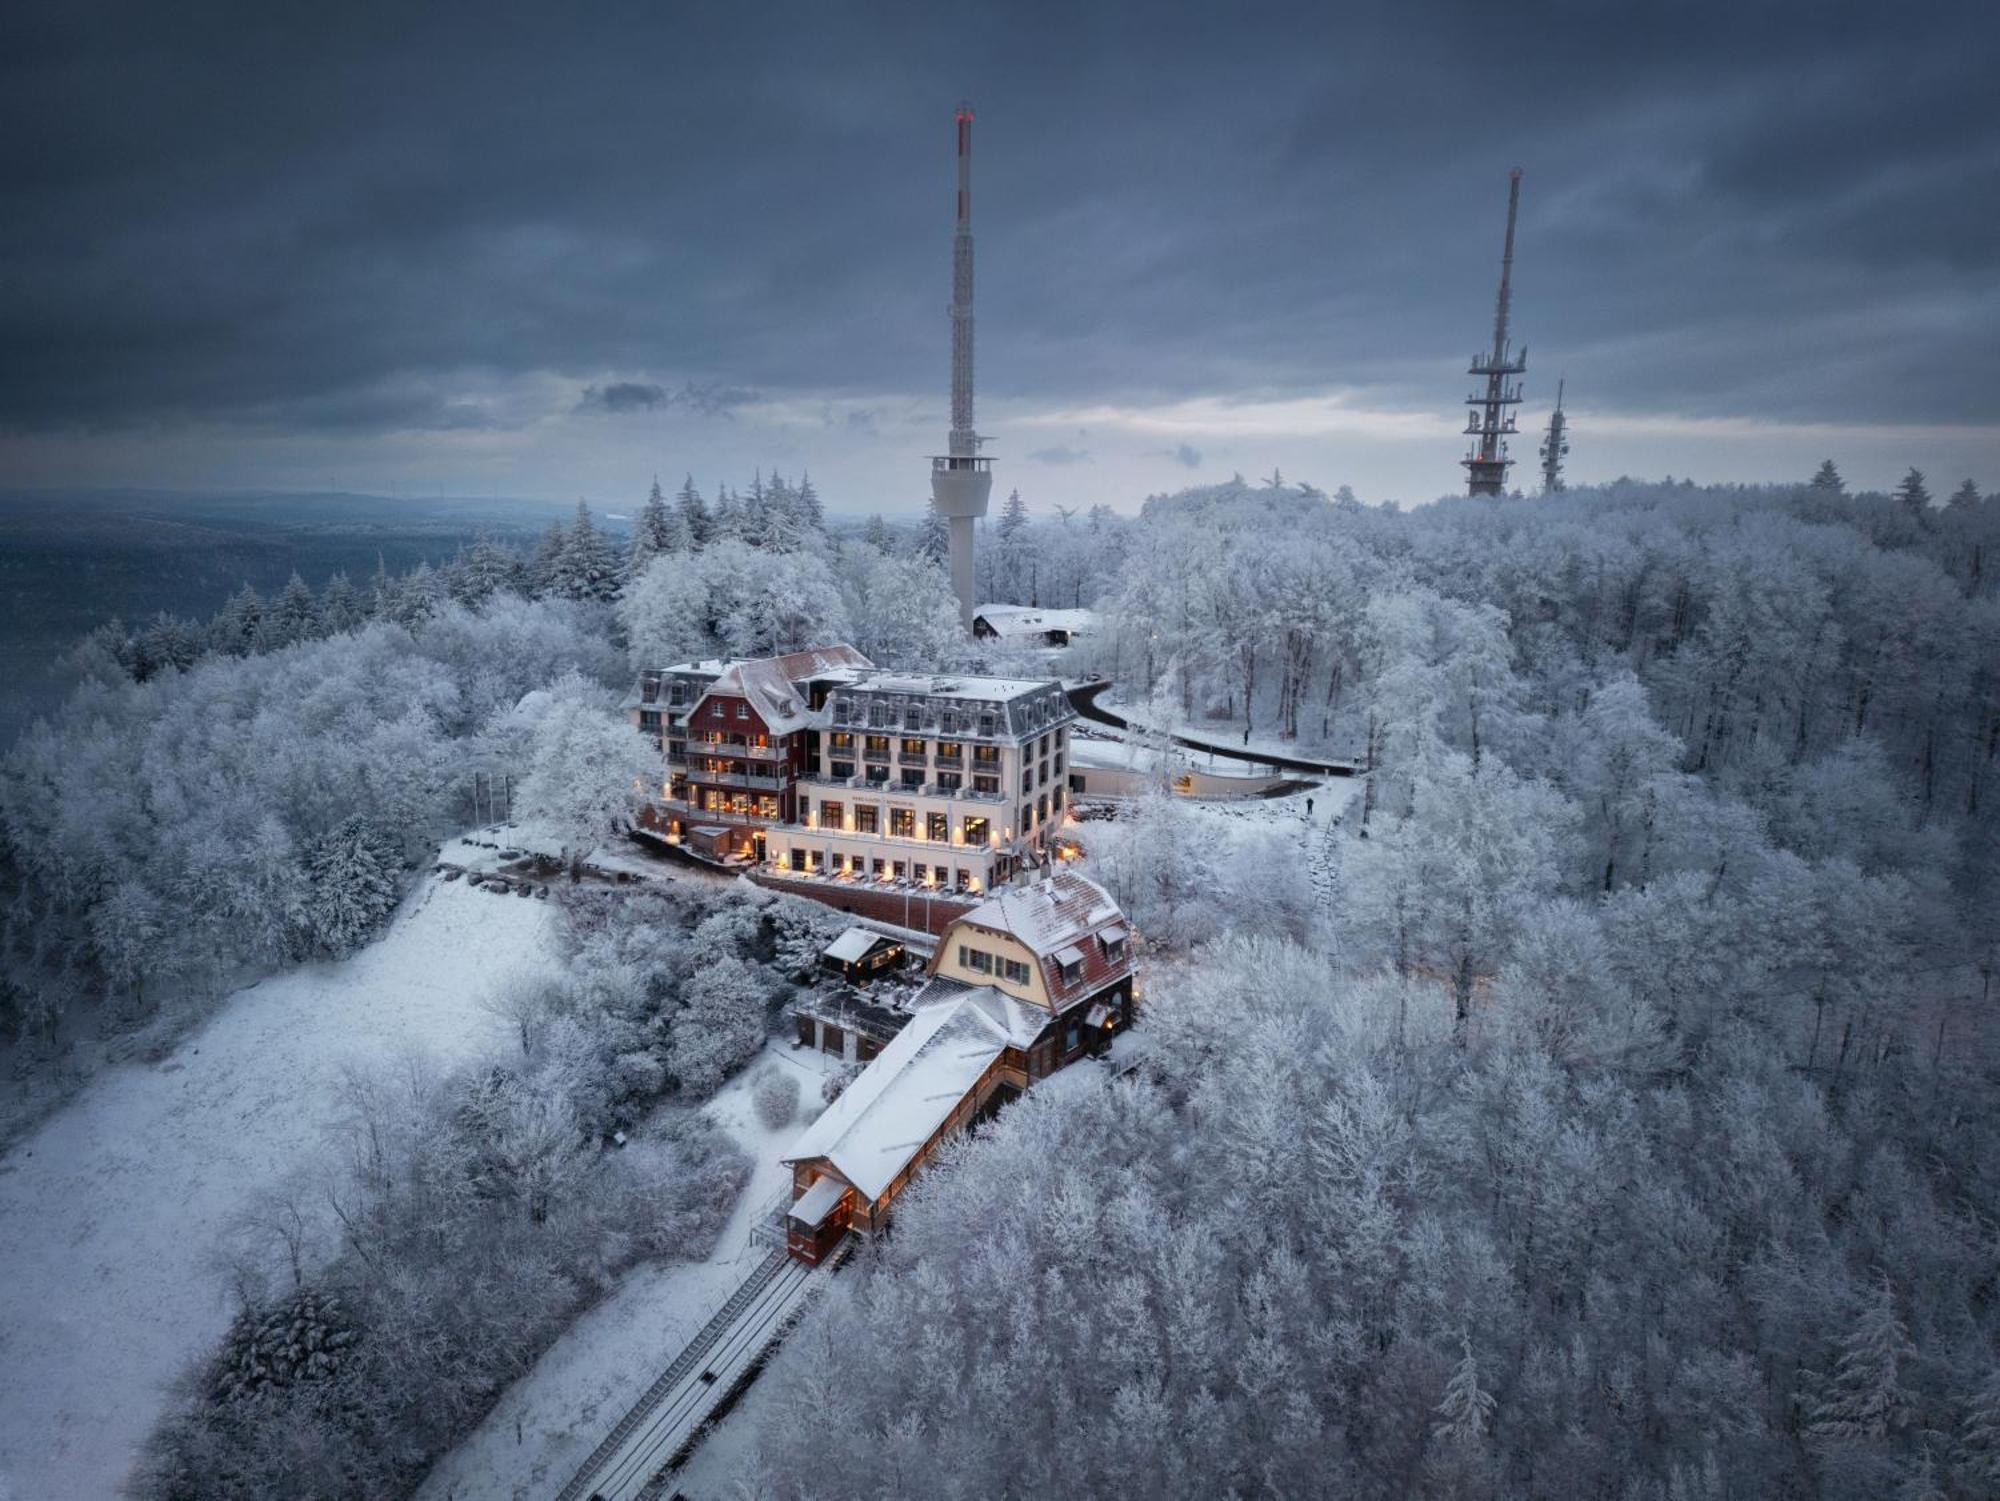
551,251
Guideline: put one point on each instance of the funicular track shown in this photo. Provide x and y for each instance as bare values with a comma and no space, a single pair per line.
639,1455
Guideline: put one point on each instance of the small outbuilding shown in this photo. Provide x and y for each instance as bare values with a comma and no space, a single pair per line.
860,954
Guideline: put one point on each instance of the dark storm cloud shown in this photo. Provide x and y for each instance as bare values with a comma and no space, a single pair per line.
620,396
1061,453
705,400
361,215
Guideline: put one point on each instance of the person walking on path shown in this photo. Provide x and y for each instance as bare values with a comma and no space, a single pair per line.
1309,807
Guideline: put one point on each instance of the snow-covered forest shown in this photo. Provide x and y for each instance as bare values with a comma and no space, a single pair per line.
1622,1122
1603,1106
220,798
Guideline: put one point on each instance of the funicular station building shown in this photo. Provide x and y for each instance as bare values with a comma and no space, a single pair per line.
1026,983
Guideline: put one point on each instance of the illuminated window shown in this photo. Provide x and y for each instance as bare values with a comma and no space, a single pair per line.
976,830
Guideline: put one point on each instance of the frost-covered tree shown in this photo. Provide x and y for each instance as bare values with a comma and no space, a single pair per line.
1865,1398
693,513
811,513
933,535
587,770
903,613
353,876
585,568
653,533
1826,479
293,616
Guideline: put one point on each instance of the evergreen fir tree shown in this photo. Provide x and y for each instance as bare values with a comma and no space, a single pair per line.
727,518
783,531
933,537
485,570
1465,1409
1911,492
170,642
544,569
587,567
652,533
812,515
1866,1398
694,513
340,607
1827,480
753,514
294,615
1964,500
1979,1437
237,625
876,533
1013,516
351,874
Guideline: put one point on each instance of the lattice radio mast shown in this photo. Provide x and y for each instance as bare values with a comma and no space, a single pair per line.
1491,421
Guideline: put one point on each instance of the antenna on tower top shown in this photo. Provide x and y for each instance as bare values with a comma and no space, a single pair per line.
1491,421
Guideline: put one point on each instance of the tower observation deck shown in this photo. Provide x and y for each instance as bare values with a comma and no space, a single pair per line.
1491,420
961,478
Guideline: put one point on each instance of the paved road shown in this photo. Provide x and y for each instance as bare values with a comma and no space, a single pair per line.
1084,700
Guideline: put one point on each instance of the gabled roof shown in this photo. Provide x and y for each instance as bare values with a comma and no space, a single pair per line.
855,945
1049,914
1066,919
771,685
1029,620
815,661
896,1104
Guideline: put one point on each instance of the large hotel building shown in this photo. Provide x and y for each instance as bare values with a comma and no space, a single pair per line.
819,764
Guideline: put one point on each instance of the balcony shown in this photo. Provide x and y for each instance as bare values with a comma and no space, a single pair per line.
742,750
753,780
689,813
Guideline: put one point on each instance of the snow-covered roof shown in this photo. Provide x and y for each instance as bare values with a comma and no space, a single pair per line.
1064,920
1049,915
949,685
817,1202
852,946
898,1102
837,660
1031,620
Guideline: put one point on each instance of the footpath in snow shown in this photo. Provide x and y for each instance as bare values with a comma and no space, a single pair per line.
549,1421
113,1211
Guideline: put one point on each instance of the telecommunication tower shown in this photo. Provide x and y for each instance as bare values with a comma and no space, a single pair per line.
1555,446
1491,421
961,479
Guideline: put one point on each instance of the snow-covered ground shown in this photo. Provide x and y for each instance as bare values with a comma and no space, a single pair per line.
548,1422
497,849
111,1213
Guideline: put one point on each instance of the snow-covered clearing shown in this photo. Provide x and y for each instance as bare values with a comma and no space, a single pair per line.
111,1213
548,1422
